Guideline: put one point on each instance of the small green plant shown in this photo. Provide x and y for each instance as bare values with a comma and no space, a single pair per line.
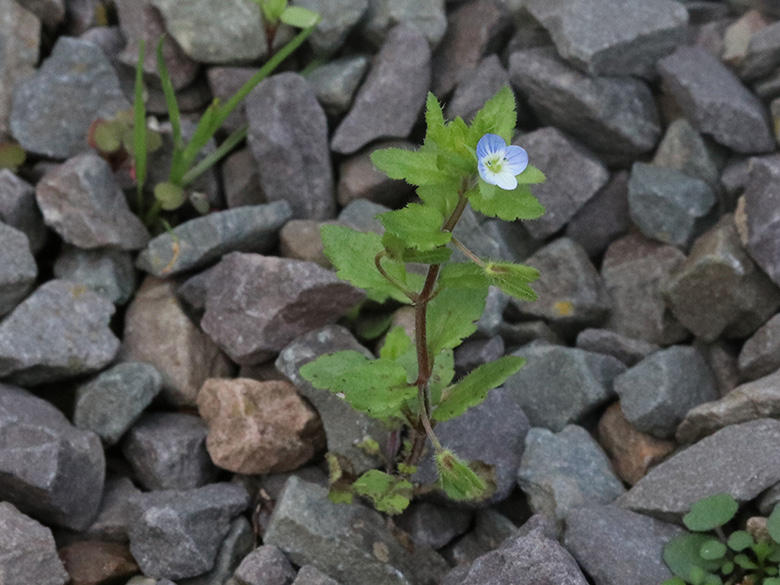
12,156
410,385
707,556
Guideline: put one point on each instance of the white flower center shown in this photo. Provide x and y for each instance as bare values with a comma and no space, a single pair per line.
495,162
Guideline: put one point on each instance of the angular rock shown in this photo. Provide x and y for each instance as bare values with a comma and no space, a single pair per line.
288,134
474,235
17,268
158,332
241,180
668,205
686,150
389,101
94,563
383,15
258,427
636,271
203,240
230,30
19,209
82,201
224,82
739,459
239,542
360,179
20,38
433,525
616,546
258,304
571,292
627,350
718,290
27,551
336,82
762,209
105,271
361,215
561,385
565,471
757,399
338,18
167,451
176,534
472,353
476,88
490,529
631,452
110,524
60,331
53,109
349,542
300,240
113,401
760,355
575,176
615,116
715,102
309,575
721,357
65,484
344,426
266,565
514,240
752,46
51,12
492,318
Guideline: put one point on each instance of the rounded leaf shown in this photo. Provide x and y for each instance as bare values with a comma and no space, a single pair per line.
681,554
12,156
727,568
712,550
169,195
740,540
107,136
773,524
711,512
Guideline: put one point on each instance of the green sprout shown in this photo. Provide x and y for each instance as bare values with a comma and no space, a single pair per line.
12,156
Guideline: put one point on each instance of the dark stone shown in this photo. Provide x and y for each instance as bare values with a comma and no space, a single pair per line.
224,82
626,349
107,272
266,565
300,239
19,209
433,525
760,355
239,542
472,353
91,562
762,208
752,47
338,19
360,179
20,37
336,82
17,268
309,575
361,215
477,87
491,528
110,524
241,180
382,15
686,150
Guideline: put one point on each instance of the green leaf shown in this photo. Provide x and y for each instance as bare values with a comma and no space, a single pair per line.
696,576
139,124
473,389
711,512
674,581
513,279
299,17
327,371
452,316
436,134
740,540
370,326
443,196
170,98
389,494
169,195
463,275
773,524
418,226
497,116
396,344
461,480
341,476
774,556
712,550
681,554
762,550
712,579
417,167
771,581
493,201
744,561
435,256
531,176
727,568
272,9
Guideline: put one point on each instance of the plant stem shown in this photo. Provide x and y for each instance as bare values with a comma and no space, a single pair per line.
468,253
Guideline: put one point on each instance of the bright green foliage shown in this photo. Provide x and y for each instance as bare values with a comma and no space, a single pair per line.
773,524
492,201
299,17
453,316
473,389
498,116
169,195
512,279
397,343
418,226
416,167
389,494
461,480
711,512
442,196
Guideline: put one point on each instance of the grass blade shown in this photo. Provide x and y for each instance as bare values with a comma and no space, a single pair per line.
237,136
170,96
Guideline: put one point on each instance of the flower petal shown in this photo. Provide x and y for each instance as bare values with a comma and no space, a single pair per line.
489,144
516,159
505,180
487,175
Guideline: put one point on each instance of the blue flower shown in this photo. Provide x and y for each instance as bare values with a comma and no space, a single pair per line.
498,163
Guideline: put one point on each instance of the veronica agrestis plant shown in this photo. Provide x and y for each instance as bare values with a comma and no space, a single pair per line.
410,385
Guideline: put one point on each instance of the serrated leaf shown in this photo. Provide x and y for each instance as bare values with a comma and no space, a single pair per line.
461,480
418,226
463,275
711,512
497,116
452,316
712,550
417,167
473,389
388,493
493,201
299,17
442,374
531,176
740,540
396,344
513,279
681,554
443,196
436,134
773,524
435,256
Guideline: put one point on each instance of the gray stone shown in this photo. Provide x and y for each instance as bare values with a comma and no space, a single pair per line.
344,426
360,179
491,528
389,101
757,399
201,241
238,543
718,290
53,109
433,525
513,238
574,177
105,271
49,469
361,214
300,239
668,205
336,82
561,385
571,292
740,460
167,451
288,134
158,332
636,271
20,38
762,208
266,565
492,318
27,551
51,12
474,235
613,37
349,542
704,11
614,116
338,18
176,534
769,499
760,355
656,393
309,575
231,30
382,15
626,349
82,201
721,357
603,218
476,88
17,268
493,432
60,331
256,305
686,150
113,401
519,334
533,559
110,524
735,177
472,353
138,580
616,546
715,102
241,180
224,82
565,471
19,209
752,46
